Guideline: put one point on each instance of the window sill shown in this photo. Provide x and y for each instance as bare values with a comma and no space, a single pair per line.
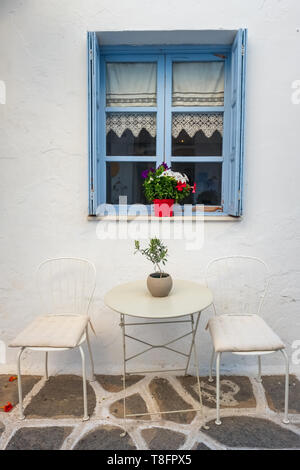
175,218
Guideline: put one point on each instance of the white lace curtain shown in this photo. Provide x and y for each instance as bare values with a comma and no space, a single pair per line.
191,123
131,84
198,84
135,122
194,84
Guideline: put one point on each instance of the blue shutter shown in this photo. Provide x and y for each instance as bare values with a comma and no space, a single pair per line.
237,111
93,117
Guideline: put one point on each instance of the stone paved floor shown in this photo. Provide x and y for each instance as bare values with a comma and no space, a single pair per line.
251,414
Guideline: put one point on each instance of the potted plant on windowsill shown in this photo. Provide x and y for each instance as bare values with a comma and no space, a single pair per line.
159,283
164,187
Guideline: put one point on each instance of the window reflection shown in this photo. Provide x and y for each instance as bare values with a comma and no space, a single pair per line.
208,179
124,179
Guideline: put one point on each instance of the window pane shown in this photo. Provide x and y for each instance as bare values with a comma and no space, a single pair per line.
125,179
131,84
198,84
131,134
197,134
208,178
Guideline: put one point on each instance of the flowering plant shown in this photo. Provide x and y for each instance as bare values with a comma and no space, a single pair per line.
7,407
163,183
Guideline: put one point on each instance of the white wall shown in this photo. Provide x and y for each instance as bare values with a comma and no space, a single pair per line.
43,155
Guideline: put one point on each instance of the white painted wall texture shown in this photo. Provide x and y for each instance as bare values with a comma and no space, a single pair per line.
43,155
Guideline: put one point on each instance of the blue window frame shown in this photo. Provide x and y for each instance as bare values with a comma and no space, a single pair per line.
218,160
138,161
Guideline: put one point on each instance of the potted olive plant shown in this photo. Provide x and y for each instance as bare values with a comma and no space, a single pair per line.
159,283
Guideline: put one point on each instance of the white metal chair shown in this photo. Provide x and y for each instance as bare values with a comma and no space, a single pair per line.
66,287
239,285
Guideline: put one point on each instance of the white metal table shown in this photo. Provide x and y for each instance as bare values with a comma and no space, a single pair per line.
187,298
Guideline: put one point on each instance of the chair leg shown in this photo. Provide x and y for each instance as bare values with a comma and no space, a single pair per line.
85,413
21,415
46,366
212,359
286,398
218,421
90,354
259,369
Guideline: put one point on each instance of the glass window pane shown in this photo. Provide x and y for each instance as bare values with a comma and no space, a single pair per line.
197,134
208,178
198,84
125,179
131,134
131,84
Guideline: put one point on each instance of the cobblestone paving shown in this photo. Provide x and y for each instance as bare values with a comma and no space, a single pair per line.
251,414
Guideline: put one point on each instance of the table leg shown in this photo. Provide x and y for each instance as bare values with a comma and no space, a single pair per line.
122,324
192,340
196,364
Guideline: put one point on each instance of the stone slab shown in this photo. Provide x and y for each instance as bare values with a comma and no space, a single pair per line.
61,397
134,404
200,446
114,383
163,439
274,386
41,438
246,432
169,400
105,438
9,390
235,392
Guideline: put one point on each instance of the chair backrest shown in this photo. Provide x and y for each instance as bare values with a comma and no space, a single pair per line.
66,285
239,284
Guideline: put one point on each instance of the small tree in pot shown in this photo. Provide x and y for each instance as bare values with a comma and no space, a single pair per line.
159,283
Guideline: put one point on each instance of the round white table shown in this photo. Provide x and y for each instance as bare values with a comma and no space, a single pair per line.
133,299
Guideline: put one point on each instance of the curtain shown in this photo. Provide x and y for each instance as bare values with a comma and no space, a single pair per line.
198,84
131,84
191,123
119,122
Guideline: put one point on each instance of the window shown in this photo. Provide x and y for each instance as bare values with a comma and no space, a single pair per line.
179,105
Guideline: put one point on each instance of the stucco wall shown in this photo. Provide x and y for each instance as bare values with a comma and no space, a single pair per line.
43,155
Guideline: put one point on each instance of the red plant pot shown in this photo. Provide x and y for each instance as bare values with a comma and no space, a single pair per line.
163,207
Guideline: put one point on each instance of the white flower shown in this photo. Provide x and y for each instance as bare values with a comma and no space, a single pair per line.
176,175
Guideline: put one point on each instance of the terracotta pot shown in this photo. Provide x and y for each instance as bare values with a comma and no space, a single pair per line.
159,286
163,207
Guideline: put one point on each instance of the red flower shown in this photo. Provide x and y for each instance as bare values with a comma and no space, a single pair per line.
12,378
7,407
180,186
194,188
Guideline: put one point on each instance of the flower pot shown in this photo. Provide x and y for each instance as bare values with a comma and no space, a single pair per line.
159,285
163,207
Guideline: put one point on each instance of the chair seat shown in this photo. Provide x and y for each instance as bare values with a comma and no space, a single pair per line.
53,331
242,333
